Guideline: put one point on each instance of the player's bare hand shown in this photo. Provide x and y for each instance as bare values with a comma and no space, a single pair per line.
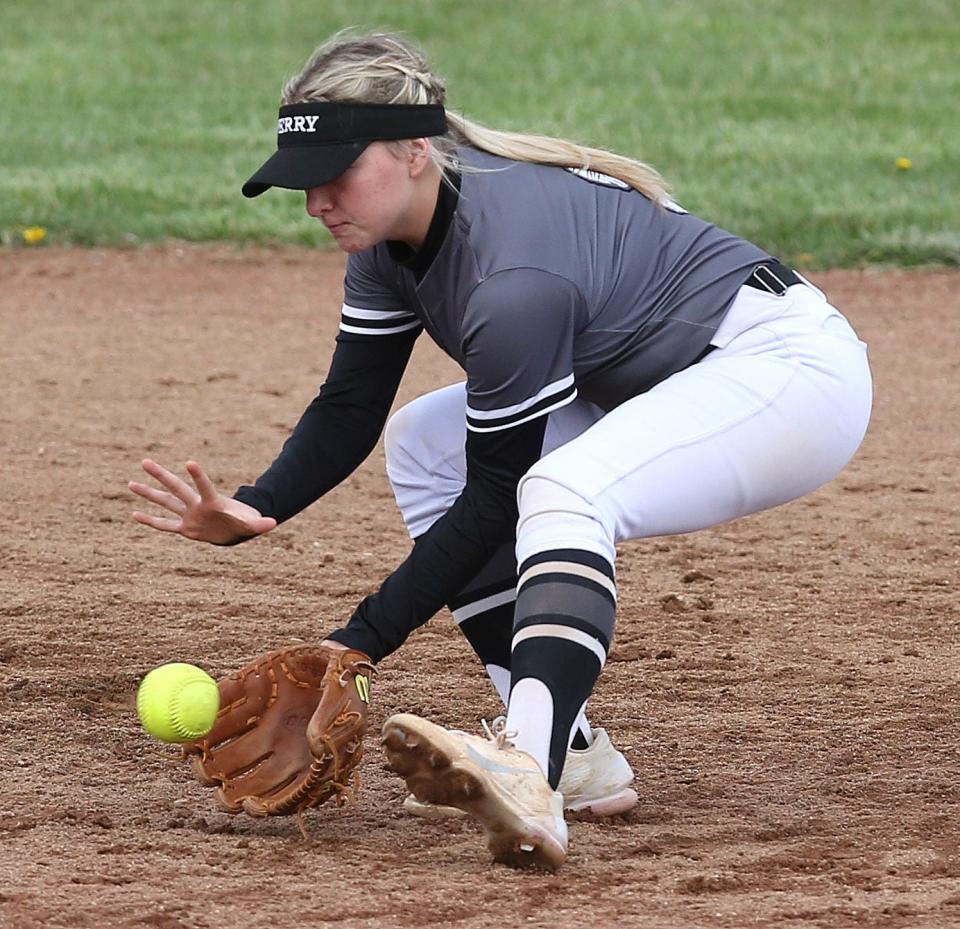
199,512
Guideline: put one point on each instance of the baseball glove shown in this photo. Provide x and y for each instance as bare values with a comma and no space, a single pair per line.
289,734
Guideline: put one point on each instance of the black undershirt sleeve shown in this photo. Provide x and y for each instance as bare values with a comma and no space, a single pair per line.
450,554
338,429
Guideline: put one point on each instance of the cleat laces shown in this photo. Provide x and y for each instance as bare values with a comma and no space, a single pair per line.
498,733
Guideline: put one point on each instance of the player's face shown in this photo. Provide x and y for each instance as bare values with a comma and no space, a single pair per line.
375,199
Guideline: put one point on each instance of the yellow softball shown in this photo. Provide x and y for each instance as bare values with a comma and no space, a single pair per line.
903,164
178,702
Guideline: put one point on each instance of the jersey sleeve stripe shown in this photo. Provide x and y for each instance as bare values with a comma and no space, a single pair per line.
376,322
547,405
356,313
551,390
378,330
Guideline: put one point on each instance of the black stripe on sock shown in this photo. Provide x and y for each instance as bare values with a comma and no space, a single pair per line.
490,634
573,556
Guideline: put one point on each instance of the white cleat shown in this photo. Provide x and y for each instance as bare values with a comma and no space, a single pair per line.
595,781
488,778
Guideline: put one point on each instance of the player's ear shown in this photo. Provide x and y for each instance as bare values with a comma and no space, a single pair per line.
418,153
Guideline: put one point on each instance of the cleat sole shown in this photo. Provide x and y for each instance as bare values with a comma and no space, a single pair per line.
619,803
434,777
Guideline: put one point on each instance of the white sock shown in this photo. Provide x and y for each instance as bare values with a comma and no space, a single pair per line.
530,716
501,680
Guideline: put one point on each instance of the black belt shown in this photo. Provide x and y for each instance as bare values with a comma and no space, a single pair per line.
773,277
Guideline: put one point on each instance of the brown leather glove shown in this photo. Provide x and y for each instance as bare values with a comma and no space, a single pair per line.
289,734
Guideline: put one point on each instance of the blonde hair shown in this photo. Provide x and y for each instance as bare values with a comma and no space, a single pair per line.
384,68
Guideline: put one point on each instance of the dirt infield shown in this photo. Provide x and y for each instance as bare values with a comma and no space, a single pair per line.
787,687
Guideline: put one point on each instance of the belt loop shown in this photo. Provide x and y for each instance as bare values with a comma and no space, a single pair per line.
763,275
774,277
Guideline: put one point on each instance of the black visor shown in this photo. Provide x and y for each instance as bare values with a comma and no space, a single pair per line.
317,142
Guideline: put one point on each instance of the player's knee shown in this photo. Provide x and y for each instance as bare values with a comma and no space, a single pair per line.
403,441
424,450
554,514
541,491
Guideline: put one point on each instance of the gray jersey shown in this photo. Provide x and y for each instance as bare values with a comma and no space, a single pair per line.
552,283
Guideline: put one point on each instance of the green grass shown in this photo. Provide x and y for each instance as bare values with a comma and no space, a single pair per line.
124,122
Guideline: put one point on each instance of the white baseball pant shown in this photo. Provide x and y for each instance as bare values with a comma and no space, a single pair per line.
773,412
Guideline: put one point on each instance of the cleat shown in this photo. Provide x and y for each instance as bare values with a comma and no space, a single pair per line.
489,779
595,782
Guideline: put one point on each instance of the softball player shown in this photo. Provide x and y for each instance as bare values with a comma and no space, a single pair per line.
631,371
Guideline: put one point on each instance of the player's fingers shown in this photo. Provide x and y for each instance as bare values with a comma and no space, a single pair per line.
160,497
158,522
207,491
177,486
